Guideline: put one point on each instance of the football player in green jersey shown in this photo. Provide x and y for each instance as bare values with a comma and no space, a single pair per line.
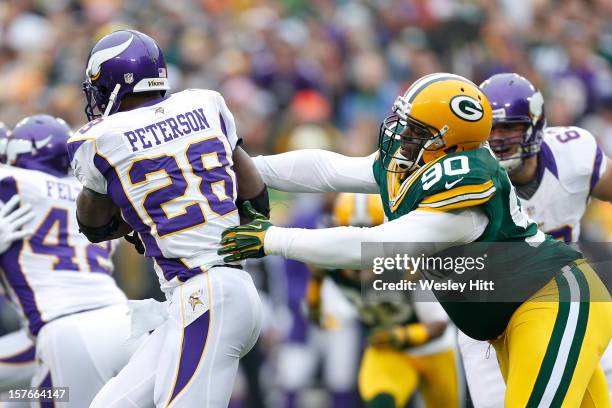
443,189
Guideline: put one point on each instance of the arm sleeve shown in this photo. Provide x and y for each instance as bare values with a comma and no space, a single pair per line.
82,154
315,171
419,232
228,124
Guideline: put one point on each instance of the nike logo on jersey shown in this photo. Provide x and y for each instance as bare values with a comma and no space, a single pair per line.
451,185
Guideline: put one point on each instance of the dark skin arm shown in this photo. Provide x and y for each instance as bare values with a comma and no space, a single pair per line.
250,183
96,210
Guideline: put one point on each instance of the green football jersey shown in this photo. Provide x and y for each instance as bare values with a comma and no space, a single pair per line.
517,262
384,310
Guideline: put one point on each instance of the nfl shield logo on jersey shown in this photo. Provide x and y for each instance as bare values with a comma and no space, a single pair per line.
128,78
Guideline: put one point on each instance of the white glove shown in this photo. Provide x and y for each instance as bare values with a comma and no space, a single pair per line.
146,315
12,220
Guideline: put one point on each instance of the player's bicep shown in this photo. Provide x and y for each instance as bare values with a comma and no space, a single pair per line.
315,171
98,217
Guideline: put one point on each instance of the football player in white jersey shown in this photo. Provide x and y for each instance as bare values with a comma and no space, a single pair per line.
61,283
17,351
555,171
170,168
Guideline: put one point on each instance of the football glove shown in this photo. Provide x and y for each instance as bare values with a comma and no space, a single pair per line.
400,337
11,220
245,241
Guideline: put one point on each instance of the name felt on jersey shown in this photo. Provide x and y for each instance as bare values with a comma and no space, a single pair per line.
61,191
166,130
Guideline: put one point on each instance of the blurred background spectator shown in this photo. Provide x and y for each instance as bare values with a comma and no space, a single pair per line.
314,73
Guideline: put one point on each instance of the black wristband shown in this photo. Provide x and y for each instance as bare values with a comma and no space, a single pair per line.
261,203
99,234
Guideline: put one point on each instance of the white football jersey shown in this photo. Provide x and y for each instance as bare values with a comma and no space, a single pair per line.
570,165
168,166
55,271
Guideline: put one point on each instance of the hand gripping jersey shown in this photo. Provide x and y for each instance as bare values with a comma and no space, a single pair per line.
570,165
168,166
474,179
56,271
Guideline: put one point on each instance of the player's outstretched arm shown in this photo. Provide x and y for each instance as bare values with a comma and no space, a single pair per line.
99,218
603,188
316,171
418,232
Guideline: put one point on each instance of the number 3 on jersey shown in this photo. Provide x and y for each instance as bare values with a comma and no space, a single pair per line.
453,166
209,163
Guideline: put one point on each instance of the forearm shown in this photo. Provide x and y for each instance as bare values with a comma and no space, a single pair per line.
250,183
96,212
416,233
314,171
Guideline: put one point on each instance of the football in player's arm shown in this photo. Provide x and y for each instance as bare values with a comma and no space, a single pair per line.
441,188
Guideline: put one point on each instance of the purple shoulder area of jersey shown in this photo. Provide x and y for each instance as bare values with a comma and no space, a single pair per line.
546,160
73,147
596,173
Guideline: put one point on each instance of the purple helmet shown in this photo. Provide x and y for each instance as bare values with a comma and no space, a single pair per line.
123,62
39,143
515,100
4,135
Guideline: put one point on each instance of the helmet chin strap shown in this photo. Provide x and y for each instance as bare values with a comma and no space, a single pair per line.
111,100
512,164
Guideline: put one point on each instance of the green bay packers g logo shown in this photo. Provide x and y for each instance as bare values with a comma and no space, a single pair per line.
467,108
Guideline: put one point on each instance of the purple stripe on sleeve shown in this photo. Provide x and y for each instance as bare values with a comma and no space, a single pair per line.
9,261
23,356
194,342
72,147
119,197
222,122
596,169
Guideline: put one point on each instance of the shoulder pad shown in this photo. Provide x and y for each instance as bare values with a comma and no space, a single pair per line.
571,154
458,180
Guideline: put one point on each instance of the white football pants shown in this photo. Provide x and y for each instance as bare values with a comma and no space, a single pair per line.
191,360
17,360
83,351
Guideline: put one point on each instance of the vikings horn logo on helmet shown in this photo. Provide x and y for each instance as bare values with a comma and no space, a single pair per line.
100,57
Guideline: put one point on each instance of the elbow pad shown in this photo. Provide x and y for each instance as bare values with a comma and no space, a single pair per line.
101,233
261,204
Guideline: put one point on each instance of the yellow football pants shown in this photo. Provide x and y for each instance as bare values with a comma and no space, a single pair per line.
398,374
549,353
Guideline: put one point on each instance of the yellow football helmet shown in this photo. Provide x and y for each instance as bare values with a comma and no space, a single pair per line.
439,114
358,210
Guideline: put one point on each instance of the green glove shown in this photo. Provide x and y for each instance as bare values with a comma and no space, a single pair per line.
245,241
